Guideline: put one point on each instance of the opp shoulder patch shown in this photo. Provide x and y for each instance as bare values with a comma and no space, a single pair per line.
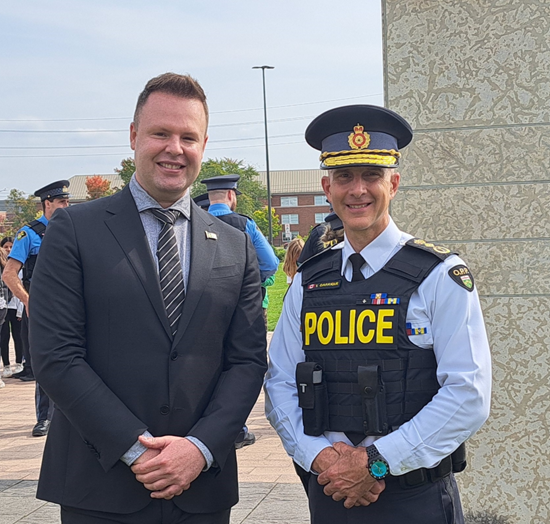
462,276
437,249
21,234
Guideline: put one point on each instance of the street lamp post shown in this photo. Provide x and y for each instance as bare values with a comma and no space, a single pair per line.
263,68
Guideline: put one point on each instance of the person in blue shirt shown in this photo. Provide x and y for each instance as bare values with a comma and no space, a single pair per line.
23,255
222,193
222,196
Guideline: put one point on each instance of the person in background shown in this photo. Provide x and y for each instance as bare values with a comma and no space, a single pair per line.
293,251
265,302
11,326
222,195
23,256
3,299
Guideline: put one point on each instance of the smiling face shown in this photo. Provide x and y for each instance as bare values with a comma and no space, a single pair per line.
361,197
169,143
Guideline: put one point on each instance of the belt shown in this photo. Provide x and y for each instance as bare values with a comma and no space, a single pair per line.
422,476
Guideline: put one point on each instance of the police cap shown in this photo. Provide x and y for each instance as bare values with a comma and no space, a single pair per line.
57,189
359,135
202,201
224,182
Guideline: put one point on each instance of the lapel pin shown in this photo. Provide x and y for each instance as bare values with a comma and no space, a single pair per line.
210,235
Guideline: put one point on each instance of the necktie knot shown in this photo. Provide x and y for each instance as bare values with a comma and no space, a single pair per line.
357,262
166,216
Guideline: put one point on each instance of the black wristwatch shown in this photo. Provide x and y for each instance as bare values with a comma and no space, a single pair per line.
377,465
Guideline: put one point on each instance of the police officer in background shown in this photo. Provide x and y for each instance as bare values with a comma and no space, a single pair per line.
24,254
222,196
380,365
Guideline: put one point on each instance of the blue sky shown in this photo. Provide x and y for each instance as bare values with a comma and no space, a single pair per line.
78,67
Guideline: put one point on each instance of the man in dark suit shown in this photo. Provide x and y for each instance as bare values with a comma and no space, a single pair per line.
148,403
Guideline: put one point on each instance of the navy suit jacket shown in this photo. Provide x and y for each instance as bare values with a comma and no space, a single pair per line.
102,350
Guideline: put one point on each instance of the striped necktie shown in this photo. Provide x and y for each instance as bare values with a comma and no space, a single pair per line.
170,272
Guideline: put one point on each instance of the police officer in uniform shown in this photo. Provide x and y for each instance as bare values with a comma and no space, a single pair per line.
24,255
380,365
222,194
222,197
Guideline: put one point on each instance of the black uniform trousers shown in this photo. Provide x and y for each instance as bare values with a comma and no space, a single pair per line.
44,408
11,326
157,512
432,503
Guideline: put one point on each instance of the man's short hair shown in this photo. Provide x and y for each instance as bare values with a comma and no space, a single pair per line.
183,86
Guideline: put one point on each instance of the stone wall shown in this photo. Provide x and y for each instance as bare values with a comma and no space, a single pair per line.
473,78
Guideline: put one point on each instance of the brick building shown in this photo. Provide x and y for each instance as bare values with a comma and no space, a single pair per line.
298,199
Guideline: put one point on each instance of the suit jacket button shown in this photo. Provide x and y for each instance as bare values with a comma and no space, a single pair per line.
174,355
164,410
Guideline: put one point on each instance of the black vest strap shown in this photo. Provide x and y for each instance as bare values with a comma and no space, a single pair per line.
235,220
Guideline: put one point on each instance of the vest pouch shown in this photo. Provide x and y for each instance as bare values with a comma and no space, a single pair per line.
312,398
459,458
373,400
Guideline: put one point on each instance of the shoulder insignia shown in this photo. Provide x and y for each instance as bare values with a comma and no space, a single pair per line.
437,249
330,243
462,276
21,234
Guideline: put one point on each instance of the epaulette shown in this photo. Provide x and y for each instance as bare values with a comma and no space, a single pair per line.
436,249
326,248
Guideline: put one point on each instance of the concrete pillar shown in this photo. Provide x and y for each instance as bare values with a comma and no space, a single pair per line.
473,78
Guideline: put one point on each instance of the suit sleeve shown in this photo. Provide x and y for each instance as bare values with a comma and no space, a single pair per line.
244,366
58,348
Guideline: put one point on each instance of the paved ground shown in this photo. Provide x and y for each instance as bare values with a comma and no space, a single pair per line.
270,492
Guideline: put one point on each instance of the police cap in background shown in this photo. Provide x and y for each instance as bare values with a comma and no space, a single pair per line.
224,182
57,189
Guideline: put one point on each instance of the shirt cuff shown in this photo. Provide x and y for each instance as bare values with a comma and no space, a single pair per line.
307,450
208,457
135,451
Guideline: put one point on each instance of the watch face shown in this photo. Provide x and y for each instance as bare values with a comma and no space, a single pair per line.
379,469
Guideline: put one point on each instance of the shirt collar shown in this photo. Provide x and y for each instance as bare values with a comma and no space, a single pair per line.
379,251
43,219
145,201
220,207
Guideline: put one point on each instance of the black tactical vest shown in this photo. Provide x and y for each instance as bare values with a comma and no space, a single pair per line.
28,267
235,220
357,336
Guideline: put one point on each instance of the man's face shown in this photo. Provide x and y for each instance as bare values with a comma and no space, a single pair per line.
169,142
50,207
361,197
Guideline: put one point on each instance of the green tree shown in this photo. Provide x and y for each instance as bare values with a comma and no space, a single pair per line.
254,195
23,209
127,169
260,217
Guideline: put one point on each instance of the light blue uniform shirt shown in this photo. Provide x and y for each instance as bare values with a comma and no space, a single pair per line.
26,243
267,259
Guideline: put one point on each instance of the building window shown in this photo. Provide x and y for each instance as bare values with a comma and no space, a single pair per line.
289,202
321,200
320,217
289,219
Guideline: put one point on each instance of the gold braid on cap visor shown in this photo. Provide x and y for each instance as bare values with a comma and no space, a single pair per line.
384,157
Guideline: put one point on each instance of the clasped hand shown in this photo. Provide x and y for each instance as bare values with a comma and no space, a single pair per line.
168,466
348,478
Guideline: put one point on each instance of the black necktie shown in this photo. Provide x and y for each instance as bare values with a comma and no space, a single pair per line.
357,262
170,273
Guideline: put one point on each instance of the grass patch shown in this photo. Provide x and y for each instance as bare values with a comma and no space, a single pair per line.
276,294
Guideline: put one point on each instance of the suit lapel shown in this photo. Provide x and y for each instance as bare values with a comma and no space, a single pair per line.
203,249
125,225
